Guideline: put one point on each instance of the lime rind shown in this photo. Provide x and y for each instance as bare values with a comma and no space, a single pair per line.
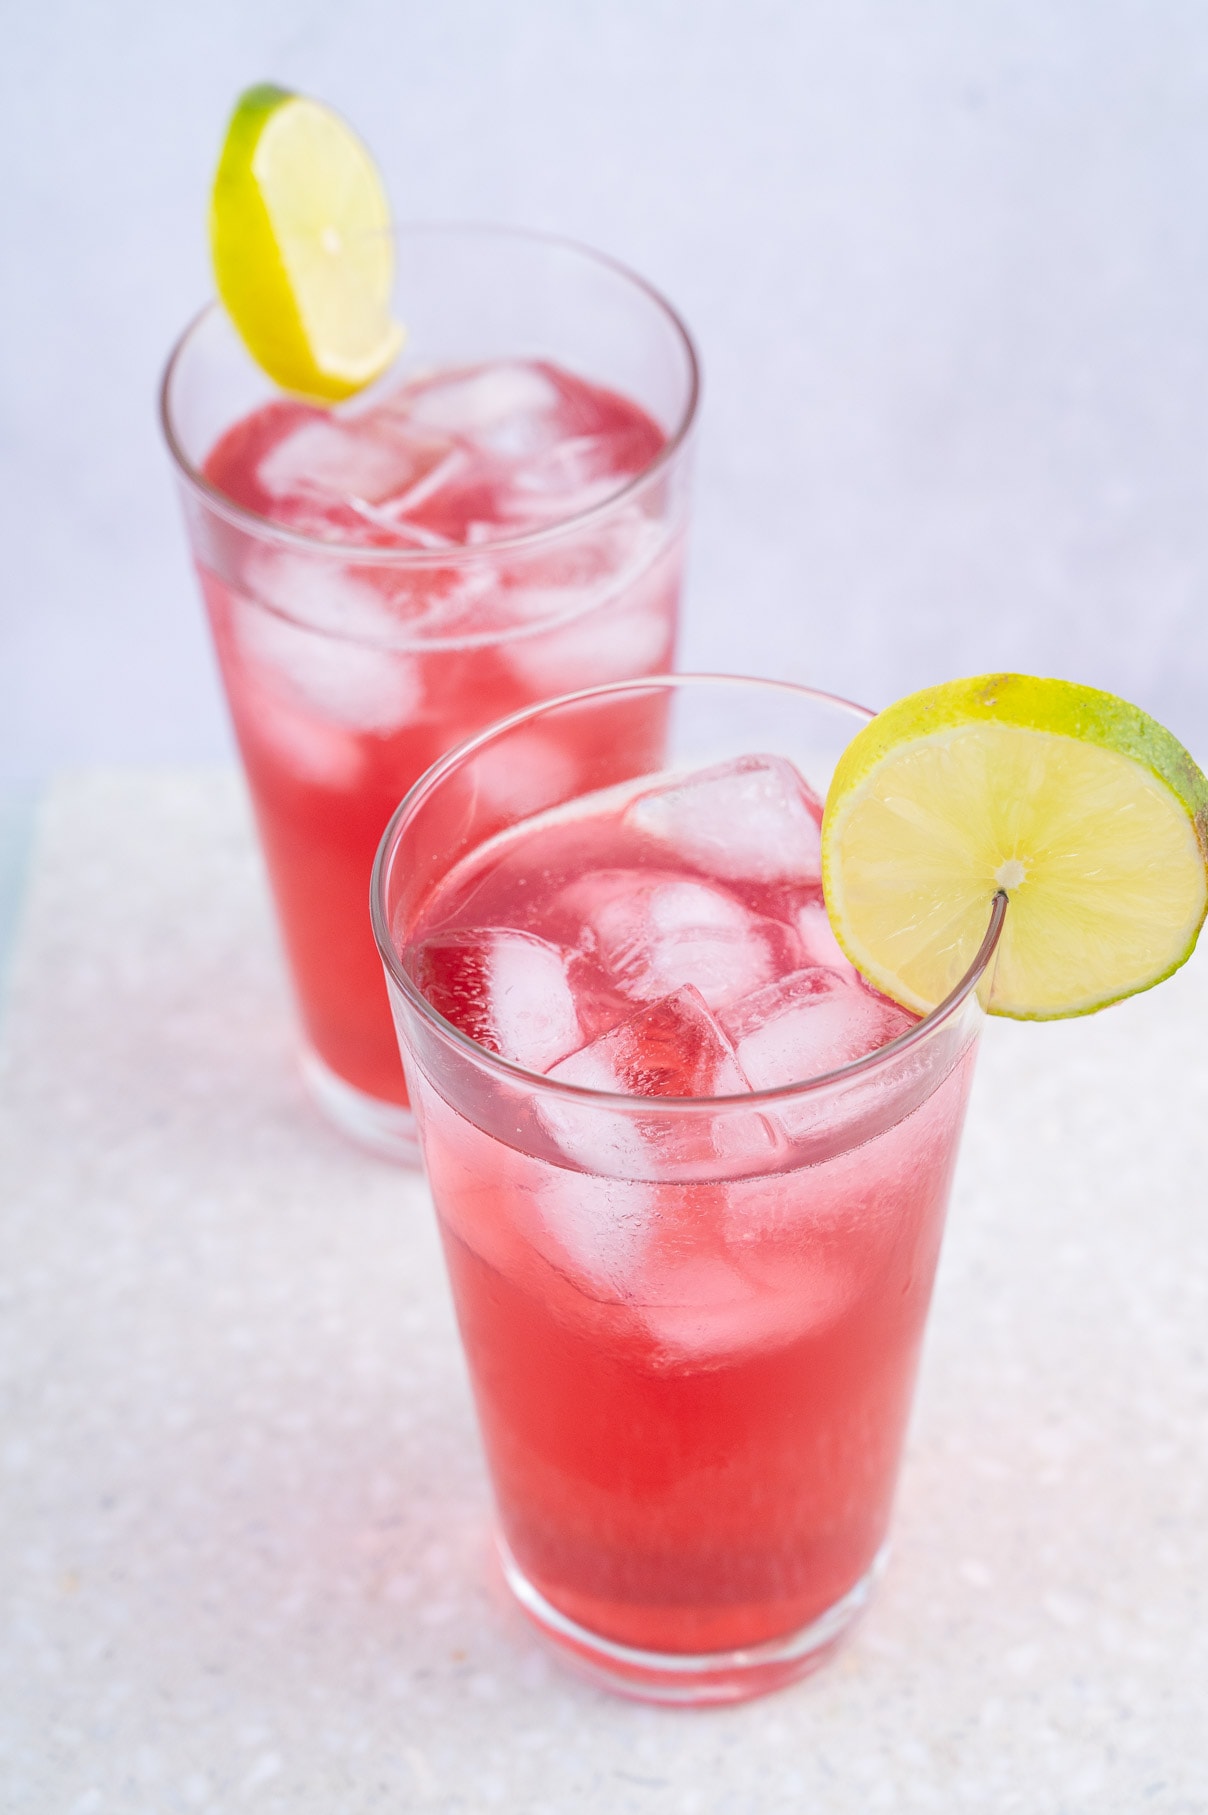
1090,815
248,268
1038,704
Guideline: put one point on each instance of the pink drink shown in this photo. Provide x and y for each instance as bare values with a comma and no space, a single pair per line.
478,532
692,1332
332,733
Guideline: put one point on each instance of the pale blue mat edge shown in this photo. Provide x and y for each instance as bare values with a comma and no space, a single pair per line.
19,803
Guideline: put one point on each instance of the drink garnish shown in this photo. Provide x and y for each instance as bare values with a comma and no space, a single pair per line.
303,258
1088,814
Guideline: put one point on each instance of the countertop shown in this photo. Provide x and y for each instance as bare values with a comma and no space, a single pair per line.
244,1546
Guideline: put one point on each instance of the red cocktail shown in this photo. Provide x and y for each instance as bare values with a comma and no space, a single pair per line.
691,1174
500,519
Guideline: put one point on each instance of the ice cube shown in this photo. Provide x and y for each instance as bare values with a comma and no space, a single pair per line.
568,1237
617,641
506,989
568,466
753,820
698,1303
382,529
511,409
361,457
566,480
327,676
807,1024
595,1227
418,489
597,567
614,626
526,508
674,1048
319,590
654,931
721,1276
818,941
312,750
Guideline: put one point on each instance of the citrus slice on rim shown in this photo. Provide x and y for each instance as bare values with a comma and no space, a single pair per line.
1090,816
302,254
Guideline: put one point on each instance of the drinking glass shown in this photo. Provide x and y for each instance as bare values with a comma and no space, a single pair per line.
692,1325
349,669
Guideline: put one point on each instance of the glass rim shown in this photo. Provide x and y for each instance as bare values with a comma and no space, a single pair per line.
456,554
508,1069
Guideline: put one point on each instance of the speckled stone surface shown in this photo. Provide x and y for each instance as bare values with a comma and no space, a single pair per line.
244,1538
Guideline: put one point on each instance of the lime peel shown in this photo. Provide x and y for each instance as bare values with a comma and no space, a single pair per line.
1088,813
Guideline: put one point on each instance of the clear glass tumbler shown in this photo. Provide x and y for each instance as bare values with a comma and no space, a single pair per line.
350,668
693,1357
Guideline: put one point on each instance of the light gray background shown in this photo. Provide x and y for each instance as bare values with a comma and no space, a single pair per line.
947,263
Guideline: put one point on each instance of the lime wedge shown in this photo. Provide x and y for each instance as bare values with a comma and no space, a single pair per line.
1089,815
302,253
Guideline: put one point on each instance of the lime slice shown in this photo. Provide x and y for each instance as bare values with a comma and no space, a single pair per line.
302,254
1089,815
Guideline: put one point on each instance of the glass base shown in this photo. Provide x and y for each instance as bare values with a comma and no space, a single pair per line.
387,1129
686,1679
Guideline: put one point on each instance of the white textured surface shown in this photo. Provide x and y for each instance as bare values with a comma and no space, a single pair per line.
244,1538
